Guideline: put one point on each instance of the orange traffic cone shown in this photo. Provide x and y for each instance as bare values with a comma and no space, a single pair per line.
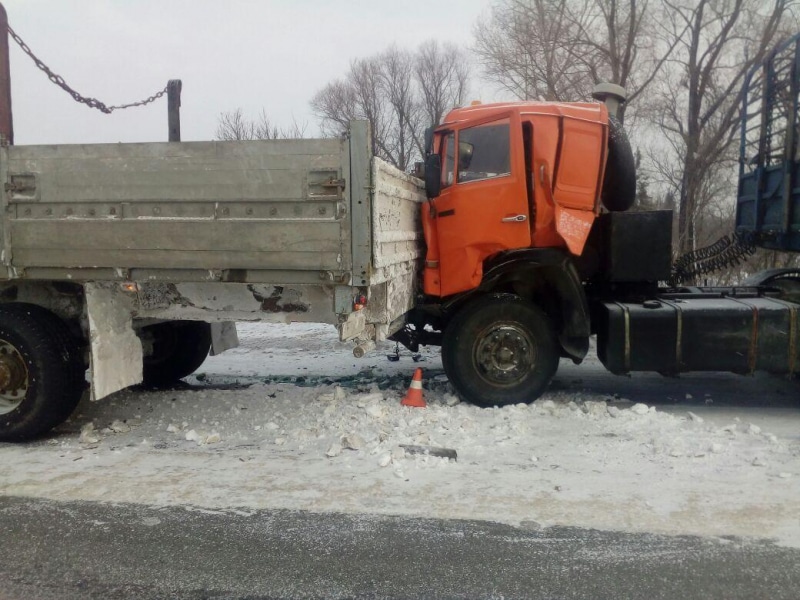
414,395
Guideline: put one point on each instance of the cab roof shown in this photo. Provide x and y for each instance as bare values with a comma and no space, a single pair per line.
587,111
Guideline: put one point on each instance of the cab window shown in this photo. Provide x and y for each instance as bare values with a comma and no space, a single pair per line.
484,151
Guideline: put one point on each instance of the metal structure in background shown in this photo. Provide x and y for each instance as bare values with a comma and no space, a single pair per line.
173,88
174,109
6,121
768,199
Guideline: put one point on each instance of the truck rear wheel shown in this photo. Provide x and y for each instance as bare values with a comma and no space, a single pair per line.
500,350
176,349
41,372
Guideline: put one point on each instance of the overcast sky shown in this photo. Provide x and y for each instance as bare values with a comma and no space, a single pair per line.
249,54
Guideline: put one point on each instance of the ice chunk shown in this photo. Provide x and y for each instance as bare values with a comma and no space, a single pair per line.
119,427
640,409
374,410
334,450
353,441
88,434
695,418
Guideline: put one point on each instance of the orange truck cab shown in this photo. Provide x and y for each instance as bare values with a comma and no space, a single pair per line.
515,192
531,250
512,176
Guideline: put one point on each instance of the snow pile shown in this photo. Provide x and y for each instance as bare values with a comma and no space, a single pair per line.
342,442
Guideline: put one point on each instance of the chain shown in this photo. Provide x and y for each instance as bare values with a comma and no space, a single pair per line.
725,252
59,81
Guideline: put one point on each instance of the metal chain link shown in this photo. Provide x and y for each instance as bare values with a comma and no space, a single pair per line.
59,81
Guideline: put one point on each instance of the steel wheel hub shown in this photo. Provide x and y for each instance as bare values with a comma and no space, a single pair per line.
13,378
504,354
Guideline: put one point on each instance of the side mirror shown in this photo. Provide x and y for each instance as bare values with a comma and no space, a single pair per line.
433,175
429,140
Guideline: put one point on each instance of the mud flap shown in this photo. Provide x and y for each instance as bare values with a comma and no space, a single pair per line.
116,350
223,337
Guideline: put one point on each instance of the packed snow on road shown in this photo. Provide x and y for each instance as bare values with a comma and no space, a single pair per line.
290,420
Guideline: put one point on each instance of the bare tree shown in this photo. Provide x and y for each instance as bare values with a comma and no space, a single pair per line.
442,74
398,92
234,125
559,49
398,89
698,102
526,48
615,42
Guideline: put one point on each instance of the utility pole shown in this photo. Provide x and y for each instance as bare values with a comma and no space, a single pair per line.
6,121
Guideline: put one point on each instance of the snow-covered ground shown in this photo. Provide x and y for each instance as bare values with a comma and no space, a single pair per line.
291,420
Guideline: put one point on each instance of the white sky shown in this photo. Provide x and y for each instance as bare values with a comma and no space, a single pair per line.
249,54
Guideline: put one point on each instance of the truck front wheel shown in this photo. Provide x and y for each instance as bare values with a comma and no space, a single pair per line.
42,375
173,350
500,350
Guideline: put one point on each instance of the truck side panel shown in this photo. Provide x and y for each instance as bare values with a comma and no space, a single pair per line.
397,244
262,205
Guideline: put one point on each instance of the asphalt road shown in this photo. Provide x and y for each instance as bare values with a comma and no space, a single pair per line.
82,551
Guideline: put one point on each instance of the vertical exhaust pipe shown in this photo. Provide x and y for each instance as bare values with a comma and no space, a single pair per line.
6,121
612,95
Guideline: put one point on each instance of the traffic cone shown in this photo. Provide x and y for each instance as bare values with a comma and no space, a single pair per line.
414,396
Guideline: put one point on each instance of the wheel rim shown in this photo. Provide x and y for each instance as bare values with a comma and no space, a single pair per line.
504,354
13,378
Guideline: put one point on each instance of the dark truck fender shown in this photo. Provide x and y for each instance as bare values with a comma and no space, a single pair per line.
546,276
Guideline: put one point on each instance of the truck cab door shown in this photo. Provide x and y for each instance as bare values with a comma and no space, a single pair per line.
482,208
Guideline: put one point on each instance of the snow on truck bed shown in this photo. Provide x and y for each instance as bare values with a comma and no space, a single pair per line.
291,420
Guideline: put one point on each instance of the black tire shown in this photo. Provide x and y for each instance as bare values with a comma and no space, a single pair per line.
178,349
500,350
786,280
42,369
619,182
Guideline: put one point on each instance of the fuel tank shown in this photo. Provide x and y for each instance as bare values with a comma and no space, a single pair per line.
741,333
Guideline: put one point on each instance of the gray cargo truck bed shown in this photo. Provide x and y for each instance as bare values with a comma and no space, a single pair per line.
297,221
278,230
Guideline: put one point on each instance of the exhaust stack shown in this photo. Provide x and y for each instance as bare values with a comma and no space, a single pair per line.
612,95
